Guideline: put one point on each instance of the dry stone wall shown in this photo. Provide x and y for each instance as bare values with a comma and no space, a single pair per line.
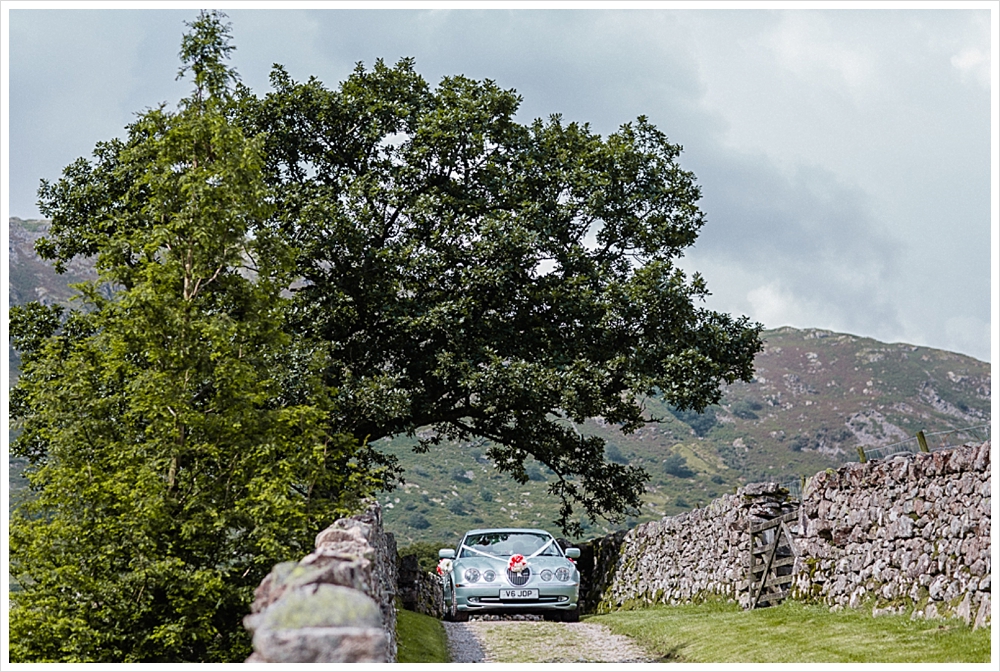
419,591
336,605
693,556
908,534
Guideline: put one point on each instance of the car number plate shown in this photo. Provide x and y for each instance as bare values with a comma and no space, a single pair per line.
519,594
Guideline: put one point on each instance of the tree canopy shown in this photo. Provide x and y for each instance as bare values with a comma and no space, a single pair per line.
300,273
493,279
461,270
169,471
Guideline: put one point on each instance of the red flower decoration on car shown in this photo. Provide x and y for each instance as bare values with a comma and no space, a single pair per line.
517,563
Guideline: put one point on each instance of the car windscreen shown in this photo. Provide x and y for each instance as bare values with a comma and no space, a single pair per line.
506,544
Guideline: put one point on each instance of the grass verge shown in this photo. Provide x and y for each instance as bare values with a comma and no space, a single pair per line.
719,632
420,638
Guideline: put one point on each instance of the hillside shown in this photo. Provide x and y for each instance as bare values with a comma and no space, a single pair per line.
817,395
32,279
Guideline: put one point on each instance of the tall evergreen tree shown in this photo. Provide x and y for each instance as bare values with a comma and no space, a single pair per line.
169,469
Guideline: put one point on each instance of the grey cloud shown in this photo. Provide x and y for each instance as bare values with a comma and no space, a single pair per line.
601,67
814,236
855,180
77,77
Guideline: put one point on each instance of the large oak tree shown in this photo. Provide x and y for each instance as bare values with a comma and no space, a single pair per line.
492,279
470,273
300,273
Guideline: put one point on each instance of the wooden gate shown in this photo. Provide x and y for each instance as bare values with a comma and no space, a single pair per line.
772,555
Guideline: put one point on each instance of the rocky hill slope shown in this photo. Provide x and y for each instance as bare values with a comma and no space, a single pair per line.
816,397
32,279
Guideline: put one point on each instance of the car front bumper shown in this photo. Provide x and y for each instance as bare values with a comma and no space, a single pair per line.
486,599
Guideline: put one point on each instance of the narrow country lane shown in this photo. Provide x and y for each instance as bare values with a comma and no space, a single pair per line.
536,641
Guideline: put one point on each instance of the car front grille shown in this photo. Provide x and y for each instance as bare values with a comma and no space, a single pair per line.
519,578
544,599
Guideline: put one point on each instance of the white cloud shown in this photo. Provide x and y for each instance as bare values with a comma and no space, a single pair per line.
806,44
966,333
973,64
774,306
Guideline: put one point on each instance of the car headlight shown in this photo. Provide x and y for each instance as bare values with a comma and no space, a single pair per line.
546,575
489,576
562,574
472,575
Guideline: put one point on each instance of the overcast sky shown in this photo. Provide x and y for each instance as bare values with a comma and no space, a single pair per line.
844,156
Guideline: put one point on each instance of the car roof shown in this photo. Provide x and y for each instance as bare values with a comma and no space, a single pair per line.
525,530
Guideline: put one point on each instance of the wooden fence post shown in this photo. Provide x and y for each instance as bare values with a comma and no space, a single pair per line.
922,440
861,455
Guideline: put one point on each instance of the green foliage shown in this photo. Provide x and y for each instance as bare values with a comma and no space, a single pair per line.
420,638
614,454
535,473
170,470
457,506
418,521
458,271
676,465
459,474
445,251
701,422
426,552
745,409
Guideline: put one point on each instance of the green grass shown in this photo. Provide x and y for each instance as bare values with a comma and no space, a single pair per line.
420,638
720,632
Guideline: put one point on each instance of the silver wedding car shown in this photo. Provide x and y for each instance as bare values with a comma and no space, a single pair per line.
510,571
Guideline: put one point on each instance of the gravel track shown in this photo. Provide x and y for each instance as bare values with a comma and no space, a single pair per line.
536,641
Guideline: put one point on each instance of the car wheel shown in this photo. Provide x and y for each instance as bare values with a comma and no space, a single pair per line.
571,616
454,614
449,604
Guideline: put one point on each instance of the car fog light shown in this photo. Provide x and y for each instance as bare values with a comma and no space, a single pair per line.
472,575
546,575
489,576
562,574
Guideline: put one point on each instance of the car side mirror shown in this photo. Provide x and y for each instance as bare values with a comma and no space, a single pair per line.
448,553
572,552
